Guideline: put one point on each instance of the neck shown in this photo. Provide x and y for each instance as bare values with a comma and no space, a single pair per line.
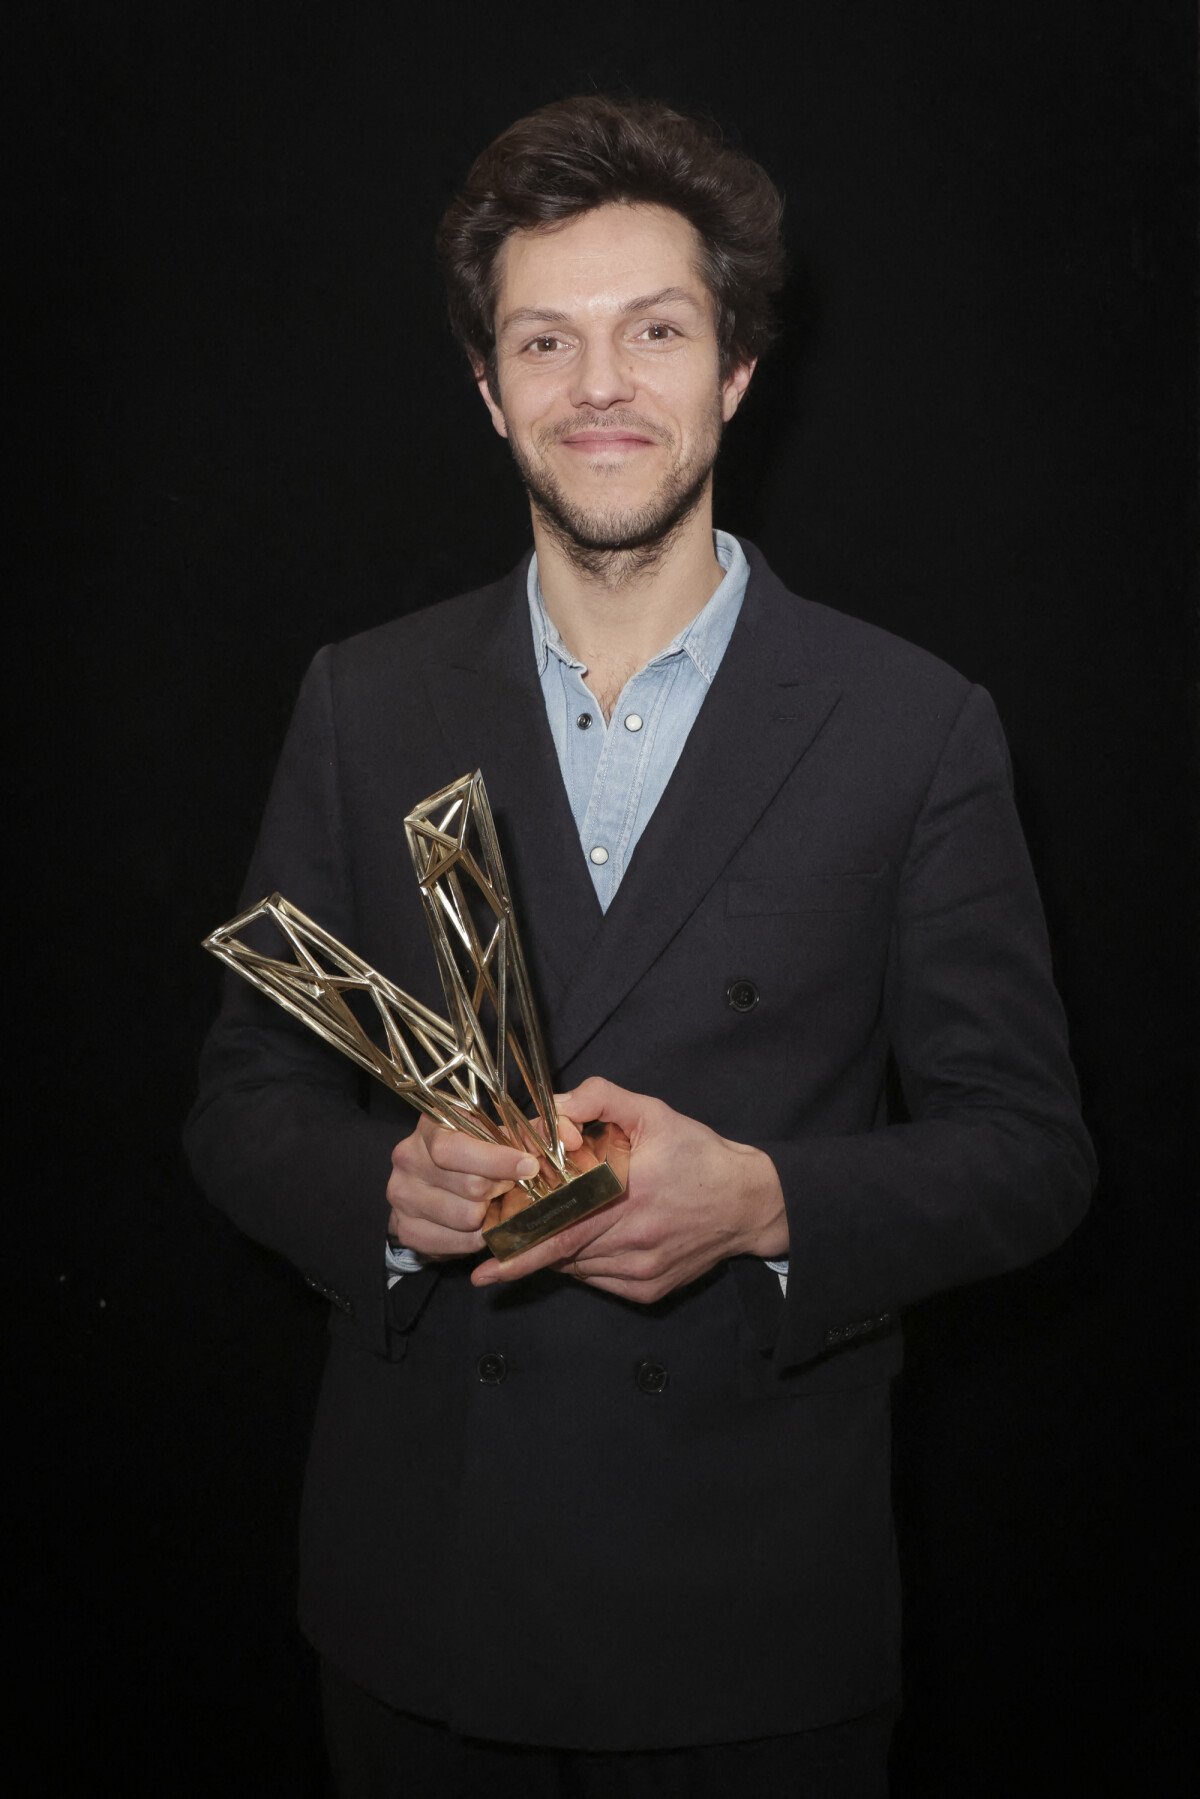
616,609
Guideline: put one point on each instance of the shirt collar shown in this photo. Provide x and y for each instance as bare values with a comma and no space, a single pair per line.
703,639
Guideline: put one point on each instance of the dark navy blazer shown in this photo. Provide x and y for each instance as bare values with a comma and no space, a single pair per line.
542,1513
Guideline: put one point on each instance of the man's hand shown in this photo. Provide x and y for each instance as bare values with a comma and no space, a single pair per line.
693,1198
441,1185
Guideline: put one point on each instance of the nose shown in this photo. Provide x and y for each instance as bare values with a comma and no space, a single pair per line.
603,375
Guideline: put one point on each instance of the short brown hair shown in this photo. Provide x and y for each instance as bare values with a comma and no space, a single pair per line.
577,154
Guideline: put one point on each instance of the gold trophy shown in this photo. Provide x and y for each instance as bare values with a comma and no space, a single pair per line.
483,1068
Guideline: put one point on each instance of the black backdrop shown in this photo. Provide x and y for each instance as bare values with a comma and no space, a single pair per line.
254,435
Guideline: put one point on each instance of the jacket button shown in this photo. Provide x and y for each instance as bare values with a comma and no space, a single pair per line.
651,1377
491,1368
742,995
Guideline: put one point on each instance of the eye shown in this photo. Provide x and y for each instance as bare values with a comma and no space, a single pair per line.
544,345
658,333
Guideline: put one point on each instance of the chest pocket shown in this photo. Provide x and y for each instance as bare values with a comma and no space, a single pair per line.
815,932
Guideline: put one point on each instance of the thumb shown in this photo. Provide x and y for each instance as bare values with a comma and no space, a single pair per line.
597,1099
569,1133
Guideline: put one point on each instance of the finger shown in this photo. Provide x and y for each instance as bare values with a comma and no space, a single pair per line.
565,1247
569,1134
635,1265
582,1104
435,1241
454,1152
475,1187
596,1098
439,1208
456,1200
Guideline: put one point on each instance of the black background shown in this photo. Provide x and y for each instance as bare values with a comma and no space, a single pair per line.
252,434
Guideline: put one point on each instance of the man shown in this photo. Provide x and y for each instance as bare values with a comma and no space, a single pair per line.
623,1502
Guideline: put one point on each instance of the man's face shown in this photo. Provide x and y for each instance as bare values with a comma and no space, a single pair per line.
609,390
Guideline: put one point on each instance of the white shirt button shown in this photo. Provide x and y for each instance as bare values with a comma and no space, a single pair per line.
633,721
599,855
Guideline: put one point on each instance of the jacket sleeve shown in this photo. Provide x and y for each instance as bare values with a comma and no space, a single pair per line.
278,1138
995,1167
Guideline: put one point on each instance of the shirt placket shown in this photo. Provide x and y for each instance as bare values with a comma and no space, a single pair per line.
610,820
646,698
584,745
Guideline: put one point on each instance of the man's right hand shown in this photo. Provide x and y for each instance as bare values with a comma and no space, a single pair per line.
441,1185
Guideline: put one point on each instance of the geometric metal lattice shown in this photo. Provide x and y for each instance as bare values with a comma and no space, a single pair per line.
483,1068
468,907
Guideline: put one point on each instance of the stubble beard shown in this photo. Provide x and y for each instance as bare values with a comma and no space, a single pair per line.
616,545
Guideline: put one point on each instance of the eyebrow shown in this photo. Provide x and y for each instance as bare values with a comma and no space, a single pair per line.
547,315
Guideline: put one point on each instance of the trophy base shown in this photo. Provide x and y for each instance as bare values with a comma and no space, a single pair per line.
574,1200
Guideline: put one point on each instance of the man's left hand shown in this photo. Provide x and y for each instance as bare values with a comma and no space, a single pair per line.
693,1198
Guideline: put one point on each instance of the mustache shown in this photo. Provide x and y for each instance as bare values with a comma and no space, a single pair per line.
605,421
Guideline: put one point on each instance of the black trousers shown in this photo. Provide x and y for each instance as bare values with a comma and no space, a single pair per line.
379,1753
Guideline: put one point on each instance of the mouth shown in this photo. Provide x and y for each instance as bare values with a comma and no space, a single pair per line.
599,443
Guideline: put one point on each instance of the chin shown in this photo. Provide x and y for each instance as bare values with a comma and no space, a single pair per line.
601,522
611,521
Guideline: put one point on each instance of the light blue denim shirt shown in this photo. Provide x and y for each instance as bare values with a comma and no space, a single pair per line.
615,773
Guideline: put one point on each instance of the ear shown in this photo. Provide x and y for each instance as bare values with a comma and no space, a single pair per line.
479,370
734,386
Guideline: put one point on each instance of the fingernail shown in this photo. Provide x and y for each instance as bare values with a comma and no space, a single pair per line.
525,1167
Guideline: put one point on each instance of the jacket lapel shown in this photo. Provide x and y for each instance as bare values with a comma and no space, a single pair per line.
489,705
761,714
758,719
